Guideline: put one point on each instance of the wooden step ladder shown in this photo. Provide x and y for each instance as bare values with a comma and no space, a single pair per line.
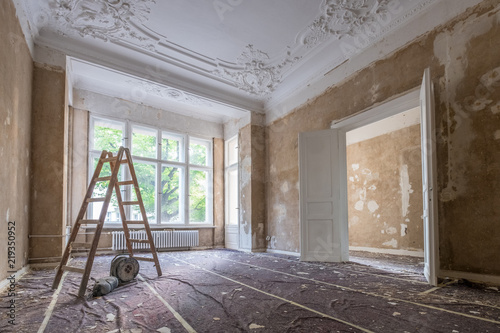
115,163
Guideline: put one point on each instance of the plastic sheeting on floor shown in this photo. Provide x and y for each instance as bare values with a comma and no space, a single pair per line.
230,291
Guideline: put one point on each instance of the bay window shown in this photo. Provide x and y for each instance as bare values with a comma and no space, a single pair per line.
174,172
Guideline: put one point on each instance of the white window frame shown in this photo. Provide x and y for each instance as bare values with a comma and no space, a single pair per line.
184,165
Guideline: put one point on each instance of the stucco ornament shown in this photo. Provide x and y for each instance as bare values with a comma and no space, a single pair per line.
103,19
257,74
345,18
171,94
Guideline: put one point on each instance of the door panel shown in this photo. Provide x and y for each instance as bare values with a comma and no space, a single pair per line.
319,196
427,128
232,195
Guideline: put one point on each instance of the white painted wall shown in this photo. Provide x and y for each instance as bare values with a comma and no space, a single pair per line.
118,108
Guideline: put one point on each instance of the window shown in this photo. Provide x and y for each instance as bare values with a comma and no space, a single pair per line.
174,172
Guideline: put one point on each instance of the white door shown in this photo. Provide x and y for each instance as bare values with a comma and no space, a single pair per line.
428,135
320,210
232,195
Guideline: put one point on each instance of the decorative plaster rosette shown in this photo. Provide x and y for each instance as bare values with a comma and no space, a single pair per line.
171,93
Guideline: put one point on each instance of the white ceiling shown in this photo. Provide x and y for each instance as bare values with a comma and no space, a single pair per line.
215,58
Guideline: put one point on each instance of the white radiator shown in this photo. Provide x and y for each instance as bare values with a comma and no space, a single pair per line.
162,239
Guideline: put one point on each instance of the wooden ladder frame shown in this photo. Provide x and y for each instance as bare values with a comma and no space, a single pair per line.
115,163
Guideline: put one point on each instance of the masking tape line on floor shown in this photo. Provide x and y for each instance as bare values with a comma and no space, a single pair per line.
395,278
370,294
181,320
52,304
278,297
350,270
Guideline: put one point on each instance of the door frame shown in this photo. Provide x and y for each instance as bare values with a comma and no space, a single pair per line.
397,105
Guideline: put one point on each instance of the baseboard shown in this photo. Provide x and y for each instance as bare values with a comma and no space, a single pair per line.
288,253
44,265
418,254
252,250
17,275
474,277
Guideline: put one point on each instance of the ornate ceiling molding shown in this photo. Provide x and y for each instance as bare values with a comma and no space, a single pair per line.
104,20
340,19
255,71
256,75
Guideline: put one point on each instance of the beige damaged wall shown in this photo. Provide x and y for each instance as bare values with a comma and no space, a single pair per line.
16,70
463,57
48,144
384,184
252,174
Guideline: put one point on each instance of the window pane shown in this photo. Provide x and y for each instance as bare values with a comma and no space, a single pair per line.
146,177
233,196
171,180
198,195
172,147
144,142
232,151
199,151
113,213
107,135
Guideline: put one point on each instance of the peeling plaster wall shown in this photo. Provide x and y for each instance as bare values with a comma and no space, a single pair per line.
464,62
252,171
16,72
468,99
384,183
48,164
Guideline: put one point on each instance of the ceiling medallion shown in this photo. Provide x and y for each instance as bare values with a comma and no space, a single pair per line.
168,93
102,19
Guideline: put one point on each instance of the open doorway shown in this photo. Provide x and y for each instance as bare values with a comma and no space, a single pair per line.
324,227
384,193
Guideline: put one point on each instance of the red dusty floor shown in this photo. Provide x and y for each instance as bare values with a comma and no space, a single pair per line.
229,291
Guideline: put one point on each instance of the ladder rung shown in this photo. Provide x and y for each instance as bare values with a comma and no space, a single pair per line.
126,182
109,159
73,269
81,245
130,202
95,199
124,161
142,241
88,221
103,179
144,259
134,222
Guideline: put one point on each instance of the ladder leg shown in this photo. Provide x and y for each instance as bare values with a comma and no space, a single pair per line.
124,218
102,217
76,227
143,212
65,257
